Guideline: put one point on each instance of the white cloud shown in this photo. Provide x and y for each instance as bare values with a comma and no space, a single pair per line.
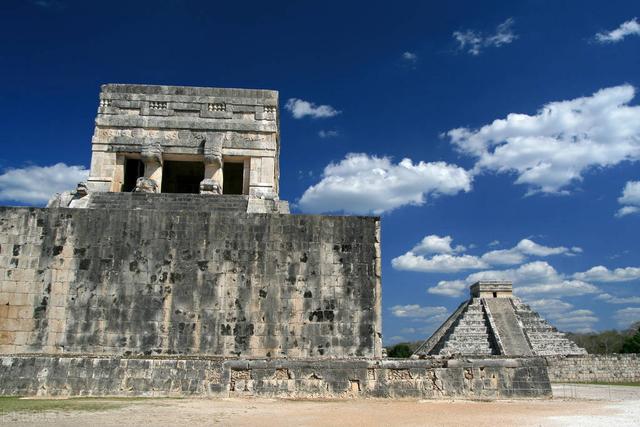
560,288
611,299
601,273
519,253
433,244
550,308
300,108
36,184
474,41
449,288
628,28
494,243
363,184
422,313
577,320
631,198
561,314
328,133
534,278
627,316
444,261
410,57
553,148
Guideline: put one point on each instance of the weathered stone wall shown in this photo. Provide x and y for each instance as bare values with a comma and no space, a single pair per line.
186,282
48,375
595,368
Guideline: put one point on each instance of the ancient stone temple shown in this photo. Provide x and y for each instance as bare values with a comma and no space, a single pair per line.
177,270
494,322
183,140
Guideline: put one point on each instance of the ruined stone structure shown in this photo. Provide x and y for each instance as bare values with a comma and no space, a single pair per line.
169,139
606,368
176,270
299,378
494,322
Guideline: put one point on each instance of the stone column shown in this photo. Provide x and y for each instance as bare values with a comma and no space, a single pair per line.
213,178
152,158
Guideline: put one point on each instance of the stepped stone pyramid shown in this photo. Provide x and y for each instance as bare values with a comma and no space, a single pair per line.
494,322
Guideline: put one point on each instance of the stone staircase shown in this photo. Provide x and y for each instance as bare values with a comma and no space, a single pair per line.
469,334
545,340
506,327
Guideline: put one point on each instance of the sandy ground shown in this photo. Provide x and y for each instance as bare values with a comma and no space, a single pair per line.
573,405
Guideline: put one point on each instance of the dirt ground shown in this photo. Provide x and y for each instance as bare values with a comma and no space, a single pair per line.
573,405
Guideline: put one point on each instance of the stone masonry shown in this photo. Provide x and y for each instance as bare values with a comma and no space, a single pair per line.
609,368
227,283
208,125
312,378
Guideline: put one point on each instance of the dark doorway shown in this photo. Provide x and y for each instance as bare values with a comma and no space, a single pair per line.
182,177
233,178
495,295
133,169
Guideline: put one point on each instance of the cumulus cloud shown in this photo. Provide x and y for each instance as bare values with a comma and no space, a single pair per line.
328,133
446,262
628,28
474,41
550,307
601,273
627,316
442,263
561,313
581,321
553,148
363,184
300,108
521,251
611,299
534,278
36,184
630,199
449,288
421,313
433,244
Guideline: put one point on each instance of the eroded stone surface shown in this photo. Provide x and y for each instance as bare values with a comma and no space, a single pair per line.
47,375
143,281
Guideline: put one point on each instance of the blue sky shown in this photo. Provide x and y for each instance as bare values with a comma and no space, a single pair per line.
547,196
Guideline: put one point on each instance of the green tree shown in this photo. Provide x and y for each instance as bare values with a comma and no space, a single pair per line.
632,343
401,350
605,342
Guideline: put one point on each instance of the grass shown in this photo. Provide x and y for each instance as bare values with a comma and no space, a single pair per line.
18,404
